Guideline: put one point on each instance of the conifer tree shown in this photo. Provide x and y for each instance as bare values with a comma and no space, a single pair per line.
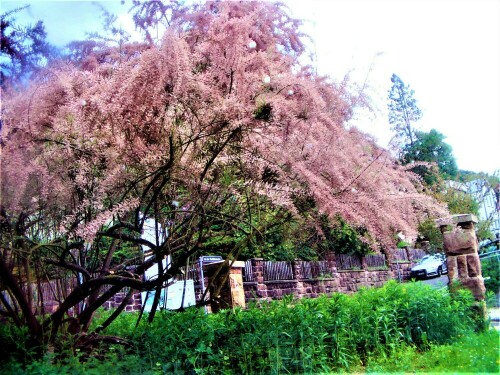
23,49
403,112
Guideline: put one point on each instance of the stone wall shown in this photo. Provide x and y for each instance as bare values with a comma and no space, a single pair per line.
402,269
351,281
301,282
343,281
134,304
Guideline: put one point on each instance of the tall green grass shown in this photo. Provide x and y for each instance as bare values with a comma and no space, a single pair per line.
474,354
327,334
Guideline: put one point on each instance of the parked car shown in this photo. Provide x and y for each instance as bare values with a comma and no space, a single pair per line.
429,265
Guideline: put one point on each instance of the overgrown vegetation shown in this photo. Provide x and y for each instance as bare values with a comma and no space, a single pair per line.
491,272
428,231
213,139
381,329
470,354
430,158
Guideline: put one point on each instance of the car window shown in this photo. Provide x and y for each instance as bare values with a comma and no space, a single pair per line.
427,260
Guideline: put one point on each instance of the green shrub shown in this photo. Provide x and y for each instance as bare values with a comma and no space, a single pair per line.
491,272
336,333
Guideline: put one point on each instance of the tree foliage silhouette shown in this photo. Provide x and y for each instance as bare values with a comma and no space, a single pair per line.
403,112
23,49
430,147
208,129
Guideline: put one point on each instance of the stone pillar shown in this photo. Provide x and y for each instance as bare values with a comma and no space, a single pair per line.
236,284
298,277
461,248
258,274
231,293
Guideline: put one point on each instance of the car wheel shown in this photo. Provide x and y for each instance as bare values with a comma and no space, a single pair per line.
440,271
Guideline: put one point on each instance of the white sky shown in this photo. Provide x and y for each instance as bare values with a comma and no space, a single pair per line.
448,51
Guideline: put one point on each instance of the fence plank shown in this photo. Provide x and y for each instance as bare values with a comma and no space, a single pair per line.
400,254
348,262
316,269
248,275
416,254
375,260
274,271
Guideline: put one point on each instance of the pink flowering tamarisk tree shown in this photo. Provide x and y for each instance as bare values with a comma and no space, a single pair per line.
206,127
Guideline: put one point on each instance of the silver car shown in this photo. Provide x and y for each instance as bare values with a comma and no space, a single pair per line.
429,265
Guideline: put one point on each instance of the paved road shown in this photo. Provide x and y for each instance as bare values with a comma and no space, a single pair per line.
437,282
494,314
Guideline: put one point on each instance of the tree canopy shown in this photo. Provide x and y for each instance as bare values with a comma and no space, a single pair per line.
23,49
430,147
208,132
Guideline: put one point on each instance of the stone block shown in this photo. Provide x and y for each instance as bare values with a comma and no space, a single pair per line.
262,293
460,242
476,286
462,267
456,219
451,263
473,265
50,307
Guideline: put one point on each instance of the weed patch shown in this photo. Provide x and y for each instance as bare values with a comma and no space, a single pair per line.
383,329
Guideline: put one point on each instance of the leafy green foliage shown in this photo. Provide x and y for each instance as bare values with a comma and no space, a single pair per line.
402,244
459,203
474,354
326,334
403,110
428,231
344,238
467,176
430,147
483,230
491,272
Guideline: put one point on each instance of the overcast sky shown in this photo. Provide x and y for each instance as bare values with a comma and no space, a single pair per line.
448,51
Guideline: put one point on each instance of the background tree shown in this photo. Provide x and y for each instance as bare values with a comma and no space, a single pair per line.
23,49
430,147
403,112
485,190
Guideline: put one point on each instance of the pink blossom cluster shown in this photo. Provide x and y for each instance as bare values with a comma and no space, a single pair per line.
222,99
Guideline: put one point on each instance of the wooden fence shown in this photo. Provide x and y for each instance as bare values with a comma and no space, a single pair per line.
274,271
314,270
400,255
54,291
375,261
416,254
248,275
349,262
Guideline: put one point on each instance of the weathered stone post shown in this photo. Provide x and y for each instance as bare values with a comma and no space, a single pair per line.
461,248
231,293
300,291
